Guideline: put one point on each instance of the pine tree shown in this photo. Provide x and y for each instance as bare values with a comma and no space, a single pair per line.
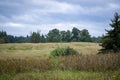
111,41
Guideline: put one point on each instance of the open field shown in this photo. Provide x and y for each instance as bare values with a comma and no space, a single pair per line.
29,50
29,61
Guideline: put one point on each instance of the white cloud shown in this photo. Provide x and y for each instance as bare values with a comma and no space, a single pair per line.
114,6
45,15
94,10
95,29
24,17
57,7
12,24
42,10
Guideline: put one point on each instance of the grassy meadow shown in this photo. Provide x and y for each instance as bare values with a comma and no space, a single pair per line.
28,61
42,50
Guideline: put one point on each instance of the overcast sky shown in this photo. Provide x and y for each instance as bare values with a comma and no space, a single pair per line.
20,17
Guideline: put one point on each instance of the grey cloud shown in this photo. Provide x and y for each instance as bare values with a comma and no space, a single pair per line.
28,13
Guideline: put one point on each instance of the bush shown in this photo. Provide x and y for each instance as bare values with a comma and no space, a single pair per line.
63,52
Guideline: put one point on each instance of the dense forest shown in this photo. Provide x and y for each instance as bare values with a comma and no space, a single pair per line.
53,35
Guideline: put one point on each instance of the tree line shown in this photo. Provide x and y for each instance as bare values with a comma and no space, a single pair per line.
53,35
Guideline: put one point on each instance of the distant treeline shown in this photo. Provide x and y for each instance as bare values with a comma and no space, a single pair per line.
53,35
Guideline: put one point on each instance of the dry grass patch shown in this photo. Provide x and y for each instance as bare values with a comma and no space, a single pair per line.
42,50
108,62
23,65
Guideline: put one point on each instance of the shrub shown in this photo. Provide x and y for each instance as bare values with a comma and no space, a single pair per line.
63,51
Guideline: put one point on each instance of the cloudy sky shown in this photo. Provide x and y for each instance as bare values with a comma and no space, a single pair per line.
20,17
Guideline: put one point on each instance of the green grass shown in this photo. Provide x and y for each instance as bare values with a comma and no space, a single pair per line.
52,75
62,75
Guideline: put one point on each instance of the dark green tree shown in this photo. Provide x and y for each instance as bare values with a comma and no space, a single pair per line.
75,33
54,36
35,37
84,36
96,39
19,39
3,37
68,36
11,39
111,41
43,39
63,36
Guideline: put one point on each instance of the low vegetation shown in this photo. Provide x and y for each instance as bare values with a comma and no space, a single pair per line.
81,63
42,50
63,51
90,62
88,67
27,62
23,65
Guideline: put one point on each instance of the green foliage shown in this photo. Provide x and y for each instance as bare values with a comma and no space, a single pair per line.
84,36
3,37
66,36
43,39
81,35
75,33
97,39
111,41
54,36
63,36
52,75
63,52
35,37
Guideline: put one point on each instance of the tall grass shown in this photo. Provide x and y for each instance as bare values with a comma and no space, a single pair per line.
108,62
32,62
23,65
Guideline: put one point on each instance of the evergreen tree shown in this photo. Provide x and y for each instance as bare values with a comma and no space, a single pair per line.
111,41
